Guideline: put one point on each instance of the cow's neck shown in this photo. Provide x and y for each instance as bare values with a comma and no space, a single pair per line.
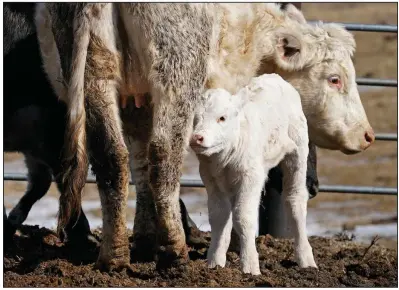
244,38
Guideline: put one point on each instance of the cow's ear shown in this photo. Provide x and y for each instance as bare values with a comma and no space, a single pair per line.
295,14
290,50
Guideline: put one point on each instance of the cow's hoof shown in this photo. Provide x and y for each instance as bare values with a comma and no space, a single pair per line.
170,256
196,239
84,241
144,249
114,265
9,231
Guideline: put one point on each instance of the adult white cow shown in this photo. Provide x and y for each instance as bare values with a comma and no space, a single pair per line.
173,52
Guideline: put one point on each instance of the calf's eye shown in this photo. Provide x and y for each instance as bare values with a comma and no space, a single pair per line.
222,119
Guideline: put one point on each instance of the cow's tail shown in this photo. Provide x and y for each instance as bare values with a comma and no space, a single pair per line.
75,163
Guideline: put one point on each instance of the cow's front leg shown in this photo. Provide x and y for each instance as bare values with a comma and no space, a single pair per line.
245,217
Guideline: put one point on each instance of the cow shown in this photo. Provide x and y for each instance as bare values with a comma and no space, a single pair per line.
238,139
34,118
93,53
35,123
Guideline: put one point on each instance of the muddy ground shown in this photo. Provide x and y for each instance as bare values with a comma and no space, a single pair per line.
36,258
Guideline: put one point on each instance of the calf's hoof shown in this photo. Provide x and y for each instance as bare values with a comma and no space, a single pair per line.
307,262
252,269
215,263
305,258
144,248
171,256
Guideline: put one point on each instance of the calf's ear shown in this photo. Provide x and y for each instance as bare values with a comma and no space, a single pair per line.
241,98
291,50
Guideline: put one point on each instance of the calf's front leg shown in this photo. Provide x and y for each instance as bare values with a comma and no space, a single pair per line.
220,219
245,217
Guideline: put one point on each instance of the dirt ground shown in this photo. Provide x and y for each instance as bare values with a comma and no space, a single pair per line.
37,259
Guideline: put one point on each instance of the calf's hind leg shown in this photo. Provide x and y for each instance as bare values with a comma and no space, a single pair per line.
295,197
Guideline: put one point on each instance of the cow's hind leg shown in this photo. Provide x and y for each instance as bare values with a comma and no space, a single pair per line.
137,125
39,181
107,150
174,52
137,129
109,159
166,158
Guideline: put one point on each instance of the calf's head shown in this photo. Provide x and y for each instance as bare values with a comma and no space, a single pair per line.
316,60
217,121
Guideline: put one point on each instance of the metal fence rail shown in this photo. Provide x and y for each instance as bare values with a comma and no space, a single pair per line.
323,188
386,137
364,27
376,82
198,183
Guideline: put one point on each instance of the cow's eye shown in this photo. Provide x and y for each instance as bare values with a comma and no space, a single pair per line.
335,81
222,119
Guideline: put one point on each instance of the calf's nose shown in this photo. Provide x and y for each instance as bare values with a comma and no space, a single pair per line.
197,139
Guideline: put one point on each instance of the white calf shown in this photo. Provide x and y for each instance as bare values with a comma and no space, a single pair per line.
238,139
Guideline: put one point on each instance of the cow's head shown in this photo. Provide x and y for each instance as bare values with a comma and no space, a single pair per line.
316,60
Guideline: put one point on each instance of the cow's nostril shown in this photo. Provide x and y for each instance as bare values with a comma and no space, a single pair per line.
200,139
369,136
